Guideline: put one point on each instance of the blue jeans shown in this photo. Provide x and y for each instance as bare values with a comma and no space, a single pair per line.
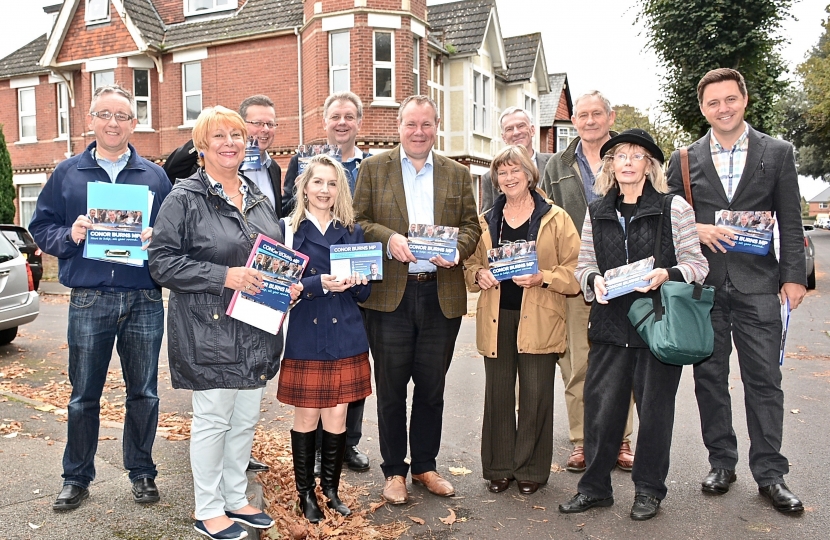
96,318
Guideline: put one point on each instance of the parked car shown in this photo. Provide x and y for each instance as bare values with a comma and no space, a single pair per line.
809,255
21,238
19,301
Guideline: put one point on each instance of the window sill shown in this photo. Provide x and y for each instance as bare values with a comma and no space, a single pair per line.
144,129
62,138
384,103
26,141
187,125
482,135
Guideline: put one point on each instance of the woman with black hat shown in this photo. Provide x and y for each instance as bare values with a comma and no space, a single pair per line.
620,228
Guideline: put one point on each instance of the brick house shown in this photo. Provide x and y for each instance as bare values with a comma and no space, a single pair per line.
178,56
820,204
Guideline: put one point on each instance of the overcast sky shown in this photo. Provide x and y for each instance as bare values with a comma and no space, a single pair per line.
594,42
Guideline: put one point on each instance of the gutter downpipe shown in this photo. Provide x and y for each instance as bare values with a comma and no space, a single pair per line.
299,79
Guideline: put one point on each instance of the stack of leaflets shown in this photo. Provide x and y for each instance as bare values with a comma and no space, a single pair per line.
624,279
513,259
307,151
118,212
753,230
358,260
281,267
427,241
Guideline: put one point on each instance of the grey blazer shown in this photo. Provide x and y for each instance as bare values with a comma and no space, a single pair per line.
488,191
769,182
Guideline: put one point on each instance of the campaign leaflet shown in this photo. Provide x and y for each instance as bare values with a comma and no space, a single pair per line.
365,260
281,267
624,279
428,241
307,151
753,230
513,259
118,213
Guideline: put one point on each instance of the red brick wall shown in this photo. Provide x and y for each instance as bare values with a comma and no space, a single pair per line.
98,40
814,209
170,11
562,112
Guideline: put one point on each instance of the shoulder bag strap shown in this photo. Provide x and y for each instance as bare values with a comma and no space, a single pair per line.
658,256
684,172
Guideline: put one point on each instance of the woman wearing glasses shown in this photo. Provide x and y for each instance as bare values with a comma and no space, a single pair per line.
520,322
619,229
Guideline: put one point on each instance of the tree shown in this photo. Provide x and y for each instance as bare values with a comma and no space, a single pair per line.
666,133
806,110
692,37
6,183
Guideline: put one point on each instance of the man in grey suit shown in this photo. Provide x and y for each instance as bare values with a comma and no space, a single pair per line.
516,128
734,167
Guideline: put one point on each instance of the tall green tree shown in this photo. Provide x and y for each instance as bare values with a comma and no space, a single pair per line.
806,110
666,133
692,37
6,184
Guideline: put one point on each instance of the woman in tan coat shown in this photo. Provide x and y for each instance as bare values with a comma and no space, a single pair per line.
520,321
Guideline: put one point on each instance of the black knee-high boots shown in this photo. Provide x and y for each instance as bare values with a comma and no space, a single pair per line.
302,446
332,450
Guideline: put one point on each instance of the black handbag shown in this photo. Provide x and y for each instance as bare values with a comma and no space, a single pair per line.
675,320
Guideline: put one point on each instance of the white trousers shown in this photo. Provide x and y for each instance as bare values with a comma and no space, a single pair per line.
221,436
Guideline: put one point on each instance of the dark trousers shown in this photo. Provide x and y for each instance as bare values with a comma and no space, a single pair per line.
96,319
612,374
523,452
415,342
754,322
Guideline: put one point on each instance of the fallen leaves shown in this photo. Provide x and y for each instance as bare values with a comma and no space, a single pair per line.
459,471
450,519
10,428
417,520
795,411
555,468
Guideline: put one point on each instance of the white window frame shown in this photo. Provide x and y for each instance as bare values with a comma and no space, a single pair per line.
531,106
62,110
481,97
568,132
186,94
99,17
823,205
212,6
334,68
95,73
416,65
376,65
27,204
21,114
143,99
435,90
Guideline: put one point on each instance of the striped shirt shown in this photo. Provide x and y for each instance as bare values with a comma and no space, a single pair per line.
729,162
690,261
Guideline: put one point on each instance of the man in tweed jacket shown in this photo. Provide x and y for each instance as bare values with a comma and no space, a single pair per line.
413,316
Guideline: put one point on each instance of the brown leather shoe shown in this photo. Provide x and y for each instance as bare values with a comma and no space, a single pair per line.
576,461
434,483
625,460
394,490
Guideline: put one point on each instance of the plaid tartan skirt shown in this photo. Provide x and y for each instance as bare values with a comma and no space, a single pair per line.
321,384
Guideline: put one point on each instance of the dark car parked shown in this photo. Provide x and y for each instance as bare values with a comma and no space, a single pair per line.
24,242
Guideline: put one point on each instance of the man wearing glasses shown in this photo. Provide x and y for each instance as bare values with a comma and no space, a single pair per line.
261,121
108,301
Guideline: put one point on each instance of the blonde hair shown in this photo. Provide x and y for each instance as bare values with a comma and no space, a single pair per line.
209,119
606,180
514,155
342,208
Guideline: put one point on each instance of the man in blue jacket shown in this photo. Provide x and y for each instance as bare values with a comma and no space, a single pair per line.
108,301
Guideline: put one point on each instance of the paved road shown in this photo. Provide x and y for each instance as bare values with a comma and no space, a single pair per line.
31,469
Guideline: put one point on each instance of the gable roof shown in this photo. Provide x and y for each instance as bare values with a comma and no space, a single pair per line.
521,56
23,61
461,24
549,103
148,21
824,196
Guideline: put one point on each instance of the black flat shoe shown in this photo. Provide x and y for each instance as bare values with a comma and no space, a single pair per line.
526,487
498,485
717,481
355,459
782,498
255,465
145,491
260,520
580,503
645,507
70,497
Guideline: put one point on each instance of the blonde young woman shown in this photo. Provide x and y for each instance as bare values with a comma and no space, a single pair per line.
326,363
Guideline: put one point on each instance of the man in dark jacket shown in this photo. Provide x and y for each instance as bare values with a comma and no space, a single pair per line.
569,181
108,300
261,119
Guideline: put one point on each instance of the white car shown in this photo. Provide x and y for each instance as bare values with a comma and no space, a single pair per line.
19,301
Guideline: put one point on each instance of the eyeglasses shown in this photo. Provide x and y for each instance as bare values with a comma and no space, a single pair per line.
269,125
106,115
634,157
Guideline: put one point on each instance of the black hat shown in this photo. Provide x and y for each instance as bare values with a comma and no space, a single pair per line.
636,136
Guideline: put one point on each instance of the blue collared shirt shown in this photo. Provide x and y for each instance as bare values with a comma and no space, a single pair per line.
262,179
730,162
352,165
588,178
418,187
112,167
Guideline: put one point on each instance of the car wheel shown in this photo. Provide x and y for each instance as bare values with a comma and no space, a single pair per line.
7,335
811,279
